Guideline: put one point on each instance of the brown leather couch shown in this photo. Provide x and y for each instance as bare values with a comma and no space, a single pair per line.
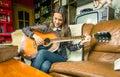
98,57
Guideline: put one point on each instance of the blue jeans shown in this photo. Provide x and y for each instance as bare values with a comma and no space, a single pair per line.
44,60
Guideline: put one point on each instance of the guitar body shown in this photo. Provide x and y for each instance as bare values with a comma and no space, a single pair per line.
29,48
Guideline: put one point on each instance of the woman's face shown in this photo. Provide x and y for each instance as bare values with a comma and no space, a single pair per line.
57,19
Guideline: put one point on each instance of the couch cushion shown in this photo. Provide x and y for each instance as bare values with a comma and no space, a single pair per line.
56,74
103,56
76,30
16,38
85,68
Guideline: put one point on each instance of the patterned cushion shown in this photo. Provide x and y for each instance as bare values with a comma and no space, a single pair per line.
75,31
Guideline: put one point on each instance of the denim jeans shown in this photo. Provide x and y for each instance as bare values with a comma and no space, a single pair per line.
45,58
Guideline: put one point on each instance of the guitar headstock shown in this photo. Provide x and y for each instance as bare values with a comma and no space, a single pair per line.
103,36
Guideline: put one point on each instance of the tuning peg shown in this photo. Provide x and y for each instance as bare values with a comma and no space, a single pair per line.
103,36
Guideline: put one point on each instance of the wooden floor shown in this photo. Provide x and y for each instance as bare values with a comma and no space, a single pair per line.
15,68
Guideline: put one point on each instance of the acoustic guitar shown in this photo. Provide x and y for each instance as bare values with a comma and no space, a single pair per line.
52,42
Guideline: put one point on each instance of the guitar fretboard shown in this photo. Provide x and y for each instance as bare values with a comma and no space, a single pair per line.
63,39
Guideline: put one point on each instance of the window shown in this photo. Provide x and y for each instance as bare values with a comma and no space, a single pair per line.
23,19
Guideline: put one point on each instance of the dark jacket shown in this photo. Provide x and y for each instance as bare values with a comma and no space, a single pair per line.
28,31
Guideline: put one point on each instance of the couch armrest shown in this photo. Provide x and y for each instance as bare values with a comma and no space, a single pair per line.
7,52
87,28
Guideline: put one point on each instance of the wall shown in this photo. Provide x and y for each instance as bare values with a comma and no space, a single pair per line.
29,3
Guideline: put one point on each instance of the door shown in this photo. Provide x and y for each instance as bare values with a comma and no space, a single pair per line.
22,16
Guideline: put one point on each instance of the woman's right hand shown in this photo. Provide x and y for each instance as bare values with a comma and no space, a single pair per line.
38,40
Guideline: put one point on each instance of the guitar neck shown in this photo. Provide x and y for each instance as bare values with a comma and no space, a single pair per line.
63,39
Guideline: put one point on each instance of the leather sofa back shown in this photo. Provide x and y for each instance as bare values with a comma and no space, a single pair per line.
114,28
104,52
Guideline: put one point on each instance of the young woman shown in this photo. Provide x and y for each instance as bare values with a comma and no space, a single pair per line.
59,25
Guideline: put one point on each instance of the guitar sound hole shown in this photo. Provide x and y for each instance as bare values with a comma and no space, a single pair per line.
46,41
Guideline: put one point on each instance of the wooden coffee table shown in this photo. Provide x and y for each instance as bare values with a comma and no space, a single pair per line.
16,68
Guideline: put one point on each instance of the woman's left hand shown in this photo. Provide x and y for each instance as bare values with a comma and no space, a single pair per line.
86,39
